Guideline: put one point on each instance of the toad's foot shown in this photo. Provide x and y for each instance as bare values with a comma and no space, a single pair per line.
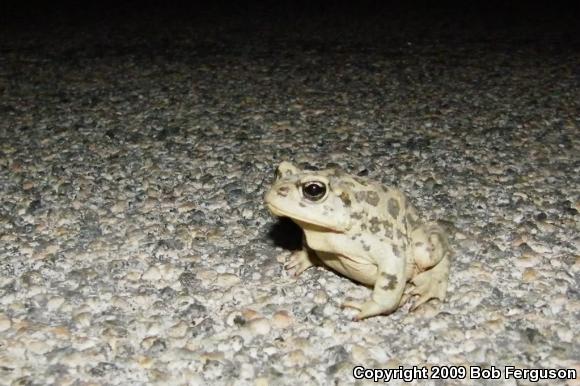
431,284
367,309
299,262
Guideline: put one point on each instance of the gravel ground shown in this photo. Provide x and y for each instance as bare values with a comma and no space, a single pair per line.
135,151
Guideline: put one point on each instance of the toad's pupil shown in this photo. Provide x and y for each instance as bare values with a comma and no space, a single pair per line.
314,190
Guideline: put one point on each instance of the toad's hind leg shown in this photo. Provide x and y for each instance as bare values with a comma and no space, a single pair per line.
387,291
430,252
385,298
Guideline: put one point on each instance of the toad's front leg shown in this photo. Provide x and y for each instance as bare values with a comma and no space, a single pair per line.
301,260
387,290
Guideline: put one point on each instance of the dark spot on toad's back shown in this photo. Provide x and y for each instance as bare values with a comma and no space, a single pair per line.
393,208
400,235
368,196
360,196
388,230
345,199
372,198
396,251
357,215
365,246
375,228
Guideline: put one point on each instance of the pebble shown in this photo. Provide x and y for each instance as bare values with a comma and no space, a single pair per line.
152,274
120,302
249,314
320,297
360,354
227,280
133,276
207,276
282,319
295,358
5,322
530,275
261,381
528,260
38,347
247,371
576,265
83,319
54,303
145,362
260,326
179,330
565,334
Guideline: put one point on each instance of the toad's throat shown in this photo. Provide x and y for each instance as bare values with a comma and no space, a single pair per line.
360,270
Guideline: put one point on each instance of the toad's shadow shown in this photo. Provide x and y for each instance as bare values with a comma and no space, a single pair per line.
286,234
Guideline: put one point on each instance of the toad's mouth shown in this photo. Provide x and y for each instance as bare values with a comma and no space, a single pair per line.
302,221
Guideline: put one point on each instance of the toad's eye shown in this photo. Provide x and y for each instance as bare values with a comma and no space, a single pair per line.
313,190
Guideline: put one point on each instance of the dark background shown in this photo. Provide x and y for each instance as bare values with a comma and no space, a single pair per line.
428,19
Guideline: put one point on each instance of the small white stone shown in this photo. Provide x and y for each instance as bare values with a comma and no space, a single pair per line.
133,276
282,319
178,330
168,272
262,381
38,347
143,300
147,342
438,325
152,274
557,303
360,354
207,276
54,303
83,319
295,358
119,302
270,350
528,260
259,326
247,371
565,334
320,297
5,322
119,207
227,280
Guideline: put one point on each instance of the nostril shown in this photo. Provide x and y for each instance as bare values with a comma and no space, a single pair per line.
283,191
